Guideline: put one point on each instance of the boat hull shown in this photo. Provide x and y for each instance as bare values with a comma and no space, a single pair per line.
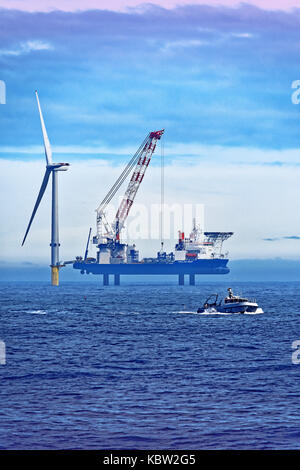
200,266
239,307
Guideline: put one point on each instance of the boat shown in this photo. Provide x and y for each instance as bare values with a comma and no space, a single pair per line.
232,304
200,253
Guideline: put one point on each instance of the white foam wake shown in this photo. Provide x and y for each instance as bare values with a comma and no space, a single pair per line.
37,312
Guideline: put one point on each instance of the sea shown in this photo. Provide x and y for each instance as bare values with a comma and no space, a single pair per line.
135,367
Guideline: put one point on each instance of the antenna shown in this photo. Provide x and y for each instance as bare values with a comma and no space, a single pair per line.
87,245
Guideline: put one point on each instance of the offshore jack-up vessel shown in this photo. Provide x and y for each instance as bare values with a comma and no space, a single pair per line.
200,253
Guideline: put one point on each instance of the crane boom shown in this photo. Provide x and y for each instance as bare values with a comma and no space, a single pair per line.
139,162
121,178
135,181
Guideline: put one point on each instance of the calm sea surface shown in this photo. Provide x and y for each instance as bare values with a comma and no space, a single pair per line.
120,368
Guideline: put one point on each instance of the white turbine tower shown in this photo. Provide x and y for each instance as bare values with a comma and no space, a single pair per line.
50,168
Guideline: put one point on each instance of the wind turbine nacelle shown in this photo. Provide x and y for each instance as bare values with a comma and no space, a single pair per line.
58,166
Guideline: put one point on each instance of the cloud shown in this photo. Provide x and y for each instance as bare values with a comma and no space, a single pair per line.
128,5
208,75
275,239
226,190
26,48
189,154
292,237
173,46
224,98
242,35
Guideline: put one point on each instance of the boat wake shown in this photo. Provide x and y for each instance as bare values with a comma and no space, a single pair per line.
208,312
37,312
258,312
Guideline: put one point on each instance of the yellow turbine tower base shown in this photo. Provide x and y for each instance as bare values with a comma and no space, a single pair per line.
54,275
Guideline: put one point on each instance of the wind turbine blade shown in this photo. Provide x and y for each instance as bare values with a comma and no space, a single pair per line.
48,151
39,198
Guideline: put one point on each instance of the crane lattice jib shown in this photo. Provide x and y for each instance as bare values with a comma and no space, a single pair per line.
118,183
135,181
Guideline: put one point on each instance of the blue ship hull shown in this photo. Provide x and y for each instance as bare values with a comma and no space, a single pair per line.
200,266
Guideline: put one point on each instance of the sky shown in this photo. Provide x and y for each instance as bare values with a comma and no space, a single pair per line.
124,5
218,78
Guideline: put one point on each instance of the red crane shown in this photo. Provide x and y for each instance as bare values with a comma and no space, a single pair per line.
140,160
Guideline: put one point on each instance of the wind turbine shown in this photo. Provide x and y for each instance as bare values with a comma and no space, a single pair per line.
51,168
